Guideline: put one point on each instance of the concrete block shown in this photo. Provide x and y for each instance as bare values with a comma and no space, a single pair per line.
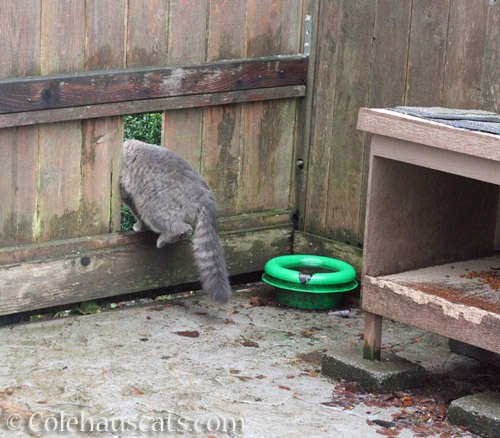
480,412
390,374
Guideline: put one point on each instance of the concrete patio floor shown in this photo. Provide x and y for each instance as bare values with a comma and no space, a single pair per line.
194,364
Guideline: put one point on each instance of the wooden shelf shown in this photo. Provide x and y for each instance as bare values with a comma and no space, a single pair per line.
432,202
441,299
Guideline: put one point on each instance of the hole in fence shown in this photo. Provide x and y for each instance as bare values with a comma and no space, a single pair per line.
146,128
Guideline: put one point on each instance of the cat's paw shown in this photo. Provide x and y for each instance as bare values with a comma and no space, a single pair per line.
139,226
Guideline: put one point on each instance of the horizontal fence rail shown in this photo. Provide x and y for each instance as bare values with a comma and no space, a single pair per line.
45,99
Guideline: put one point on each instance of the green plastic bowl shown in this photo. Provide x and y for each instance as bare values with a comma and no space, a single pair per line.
318,291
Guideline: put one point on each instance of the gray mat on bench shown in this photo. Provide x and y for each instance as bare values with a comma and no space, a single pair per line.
475,120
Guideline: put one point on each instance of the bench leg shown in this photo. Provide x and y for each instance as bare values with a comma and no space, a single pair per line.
373,336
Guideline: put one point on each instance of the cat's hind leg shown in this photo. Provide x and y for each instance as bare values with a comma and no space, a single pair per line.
175,234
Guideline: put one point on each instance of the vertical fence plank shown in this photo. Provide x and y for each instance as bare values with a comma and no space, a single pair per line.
103,137
19,38
302,148
147,27
60,147
429,29
490,86
464,53
221,127
267,134
322,116
182,130
352,89
392,23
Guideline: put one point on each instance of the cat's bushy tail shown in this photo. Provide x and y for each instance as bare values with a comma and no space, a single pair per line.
209,256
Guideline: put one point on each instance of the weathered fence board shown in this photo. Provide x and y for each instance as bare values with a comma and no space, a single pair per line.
220,164
392,22
441,54
267,135
147,33
490,84
182,130
93,88
103,137
132,268
59,175
352,84
18,146
149,105
426,57
464,54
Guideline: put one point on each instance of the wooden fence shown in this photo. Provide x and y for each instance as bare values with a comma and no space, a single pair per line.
381,54
267,154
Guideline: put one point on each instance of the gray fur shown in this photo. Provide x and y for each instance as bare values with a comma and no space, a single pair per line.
169,197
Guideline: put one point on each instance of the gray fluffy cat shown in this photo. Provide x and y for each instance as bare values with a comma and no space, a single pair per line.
169,197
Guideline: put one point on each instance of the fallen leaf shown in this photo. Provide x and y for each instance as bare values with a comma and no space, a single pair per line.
312,374
104,371
227,321
138,392
284,387
260,376
387,432
189,334
250,344
417,339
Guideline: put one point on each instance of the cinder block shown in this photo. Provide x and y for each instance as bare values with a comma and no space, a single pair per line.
480,412
391,373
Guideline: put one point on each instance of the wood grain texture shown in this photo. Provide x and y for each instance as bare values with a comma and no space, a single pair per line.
149,105
373,336
425,307
435,158
490,83
147,33
74,246
267,132
102,137
346,163
182,130
220,161
427,52
301,158
418,130
18,179
464,54
322,116
420,217
63,24
392,23
104,273
18,146
60,91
